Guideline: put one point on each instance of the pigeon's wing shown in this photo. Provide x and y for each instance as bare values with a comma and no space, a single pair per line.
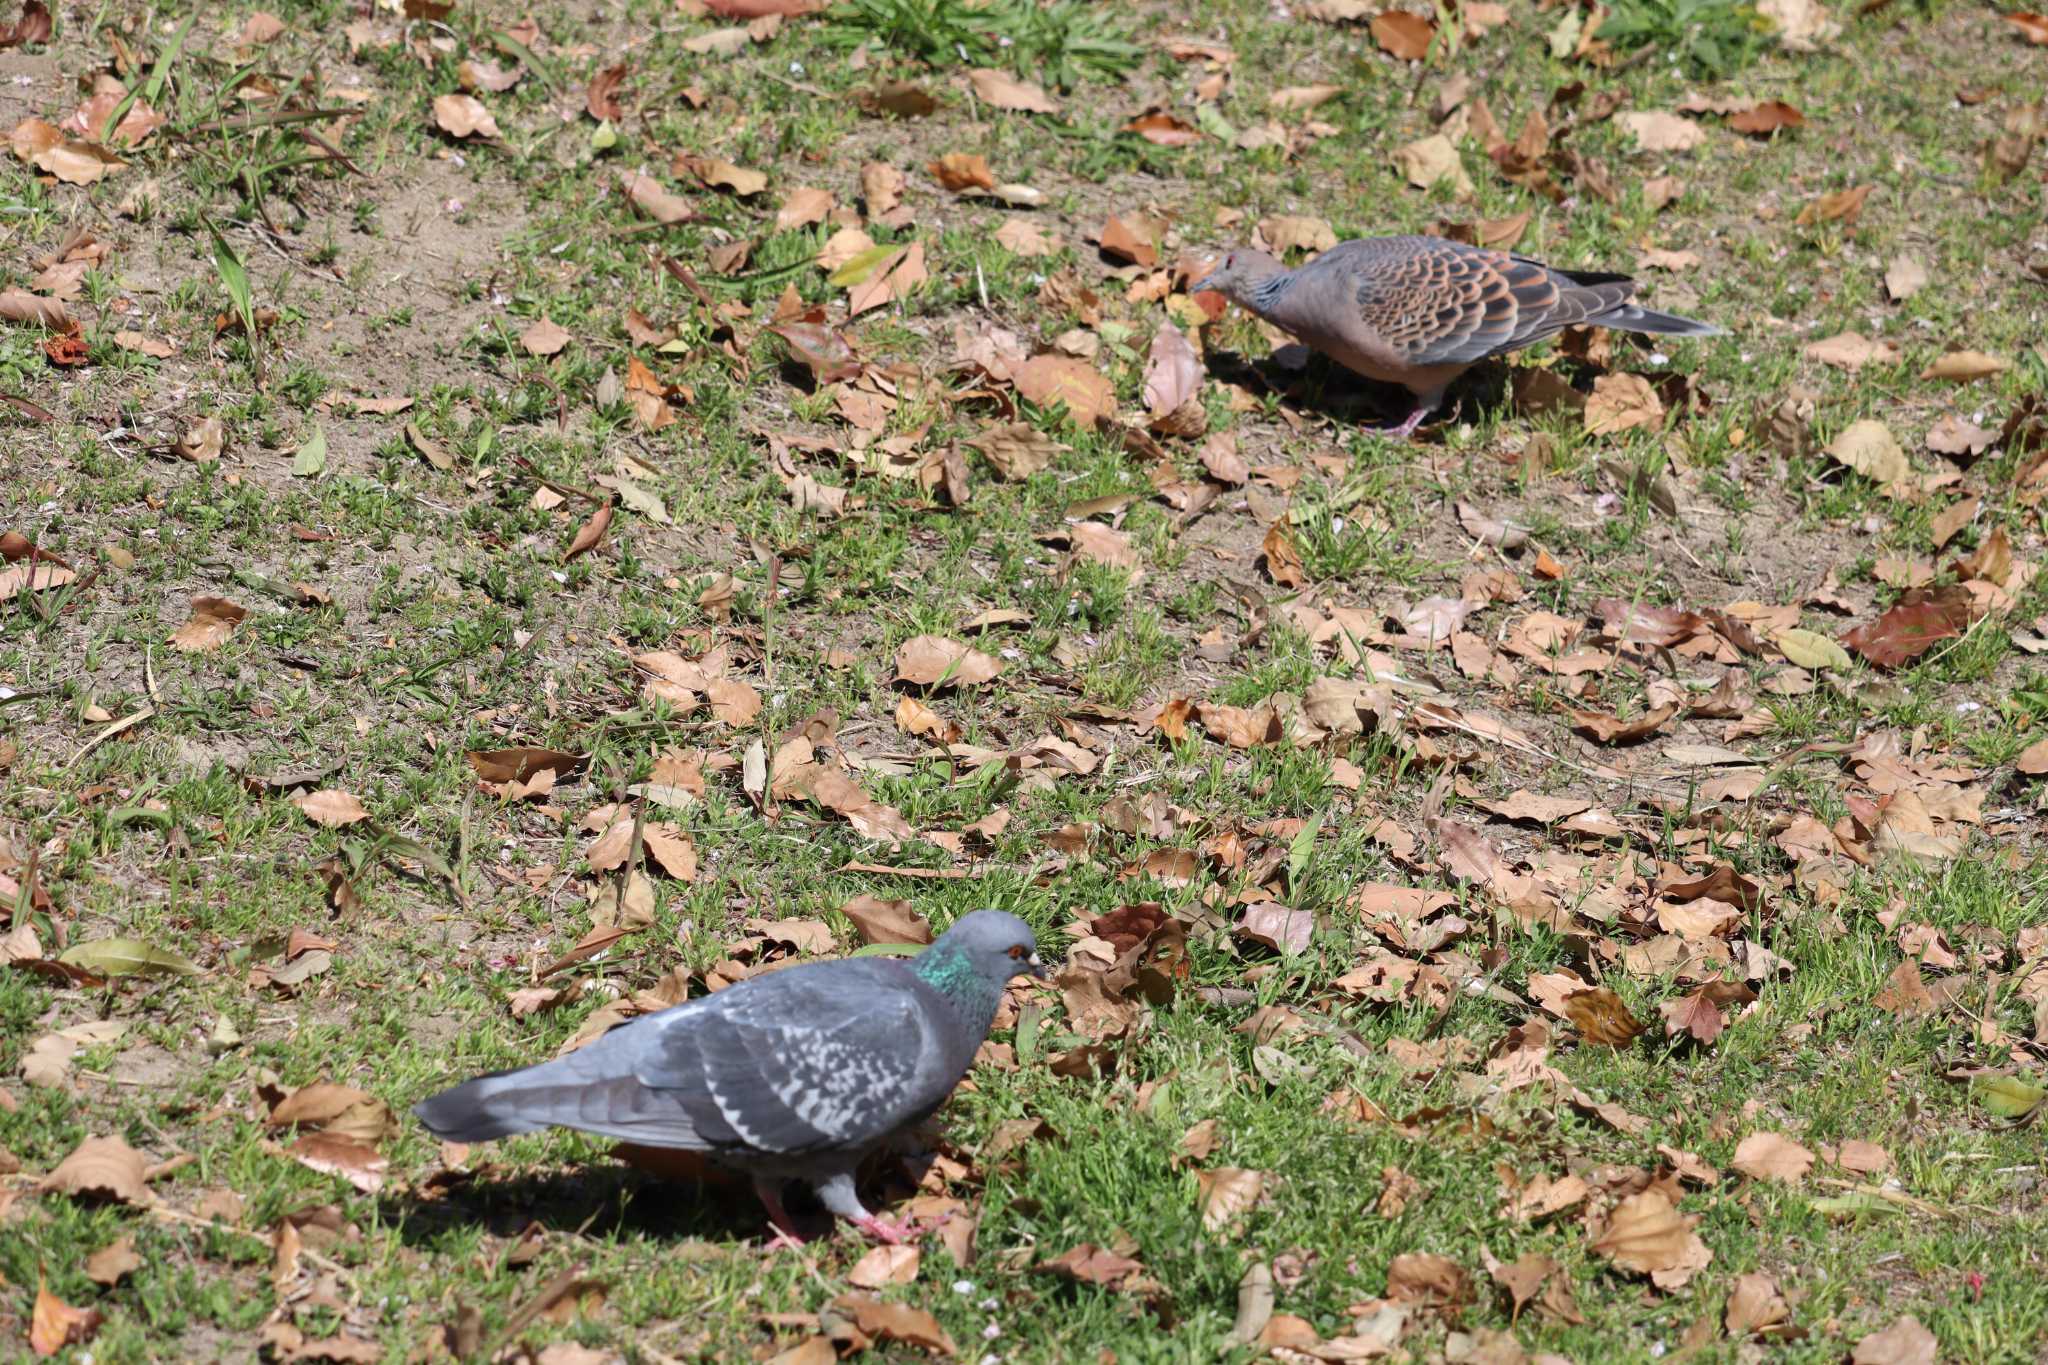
1437,302
806,1059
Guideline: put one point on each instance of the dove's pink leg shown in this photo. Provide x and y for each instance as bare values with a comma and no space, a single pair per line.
770,1194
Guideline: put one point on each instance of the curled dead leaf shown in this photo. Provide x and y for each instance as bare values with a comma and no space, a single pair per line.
462,116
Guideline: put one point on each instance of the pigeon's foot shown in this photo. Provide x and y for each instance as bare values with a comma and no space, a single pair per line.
1406,428
885,1232
769,1192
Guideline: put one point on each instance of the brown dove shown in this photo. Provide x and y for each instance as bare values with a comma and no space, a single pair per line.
1420,311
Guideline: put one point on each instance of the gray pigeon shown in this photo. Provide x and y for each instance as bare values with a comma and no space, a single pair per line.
1420,311
794,1075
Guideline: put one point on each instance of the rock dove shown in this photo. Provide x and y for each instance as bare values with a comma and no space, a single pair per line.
1420,311
796,1074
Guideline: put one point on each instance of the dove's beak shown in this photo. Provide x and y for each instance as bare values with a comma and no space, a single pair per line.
1036,966
1205,285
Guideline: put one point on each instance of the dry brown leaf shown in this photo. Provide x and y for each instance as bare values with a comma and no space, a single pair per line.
895,1322
104,1167
883,1266
1086,391
1754,1307
1227,1193
33,576
1296,97
1766,117
959,171
1173,372
1286,232
1601,1017
463,116
804,207
1403,35
55,1324
1283,560
1961,367
1022,237
1660,131
1851,351
331,808
1772,1156
213,620
329,1154
112,1261
601,96
1122,241
590,533
1000,90
1844,206
1905,1342
1923,618
720,174
1621,402
1869,448
1421,1277
1163,129
1865,1158
1648,1236
543,338
1091,1264
19,305
2032,27
1904,277
886,921
1017,449
1426,161
655,200
937,662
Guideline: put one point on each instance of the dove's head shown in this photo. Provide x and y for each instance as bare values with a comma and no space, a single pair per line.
995,944
1239,274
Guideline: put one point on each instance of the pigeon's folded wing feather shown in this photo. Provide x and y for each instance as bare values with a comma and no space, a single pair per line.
803,1062
1438,302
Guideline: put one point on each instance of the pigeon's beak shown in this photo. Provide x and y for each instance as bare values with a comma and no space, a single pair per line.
1036,966
1205,285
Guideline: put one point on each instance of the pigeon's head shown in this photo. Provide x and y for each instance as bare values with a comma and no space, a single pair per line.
996,945
1237,273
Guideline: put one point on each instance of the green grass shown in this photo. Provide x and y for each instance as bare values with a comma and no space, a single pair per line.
454,623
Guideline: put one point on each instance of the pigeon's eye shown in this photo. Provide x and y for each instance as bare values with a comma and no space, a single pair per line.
1017,951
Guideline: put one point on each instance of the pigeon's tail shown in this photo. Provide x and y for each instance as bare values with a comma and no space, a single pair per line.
1631,317
493,1106
593,1089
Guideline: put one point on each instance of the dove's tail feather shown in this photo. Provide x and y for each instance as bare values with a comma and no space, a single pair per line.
587,1090
1631,317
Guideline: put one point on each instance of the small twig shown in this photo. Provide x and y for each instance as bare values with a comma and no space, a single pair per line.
633,854
192,1220
120,726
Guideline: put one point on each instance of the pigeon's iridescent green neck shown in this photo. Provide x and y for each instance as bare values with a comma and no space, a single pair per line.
949,969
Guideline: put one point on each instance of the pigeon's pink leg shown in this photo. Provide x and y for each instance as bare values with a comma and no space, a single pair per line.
770,1194
885,1232
1407,428
837,1194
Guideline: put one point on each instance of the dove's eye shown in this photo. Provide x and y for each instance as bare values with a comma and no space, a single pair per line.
1017,952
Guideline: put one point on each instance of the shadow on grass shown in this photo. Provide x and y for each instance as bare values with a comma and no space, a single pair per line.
642,1193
